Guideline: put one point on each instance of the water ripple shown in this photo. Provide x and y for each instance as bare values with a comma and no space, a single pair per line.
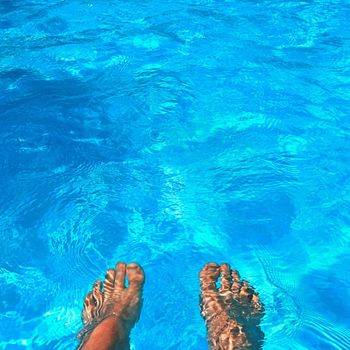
174,134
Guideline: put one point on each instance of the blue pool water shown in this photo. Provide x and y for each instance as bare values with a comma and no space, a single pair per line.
174,133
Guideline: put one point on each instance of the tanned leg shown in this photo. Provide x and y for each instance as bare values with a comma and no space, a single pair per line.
231,312
111,313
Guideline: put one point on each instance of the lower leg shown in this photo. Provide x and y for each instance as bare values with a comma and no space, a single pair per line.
110,334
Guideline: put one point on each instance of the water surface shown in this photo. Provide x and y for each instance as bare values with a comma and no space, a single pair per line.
173,134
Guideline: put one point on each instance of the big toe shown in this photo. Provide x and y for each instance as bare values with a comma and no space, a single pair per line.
135,275
208,277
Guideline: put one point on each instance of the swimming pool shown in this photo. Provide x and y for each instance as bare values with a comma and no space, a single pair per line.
173,134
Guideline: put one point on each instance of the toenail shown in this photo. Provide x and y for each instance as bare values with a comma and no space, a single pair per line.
132,266
212,266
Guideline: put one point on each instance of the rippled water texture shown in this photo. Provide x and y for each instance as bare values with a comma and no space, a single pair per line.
175,133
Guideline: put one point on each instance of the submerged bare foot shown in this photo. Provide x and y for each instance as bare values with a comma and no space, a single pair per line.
231,312
109,314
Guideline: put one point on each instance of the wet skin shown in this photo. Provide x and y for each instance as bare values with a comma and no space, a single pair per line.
232,312
109,315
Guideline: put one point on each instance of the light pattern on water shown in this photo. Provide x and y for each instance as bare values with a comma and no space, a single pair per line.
173,134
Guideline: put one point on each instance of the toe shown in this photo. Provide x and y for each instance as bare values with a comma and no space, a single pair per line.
88,310
210,303
136,275
236,282
245,290
248,294
108,285
226,279
211,269
208,277
97,296
120,275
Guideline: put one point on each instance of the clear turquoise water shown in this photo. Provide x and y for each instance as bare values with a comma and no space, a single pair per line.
175,133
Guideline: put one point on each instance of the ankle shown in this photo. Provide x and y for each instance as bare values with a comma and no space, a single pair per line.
111,333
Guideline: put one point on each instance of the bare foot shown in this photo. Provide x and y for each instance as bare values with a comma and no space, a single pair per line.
109,315
232,312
